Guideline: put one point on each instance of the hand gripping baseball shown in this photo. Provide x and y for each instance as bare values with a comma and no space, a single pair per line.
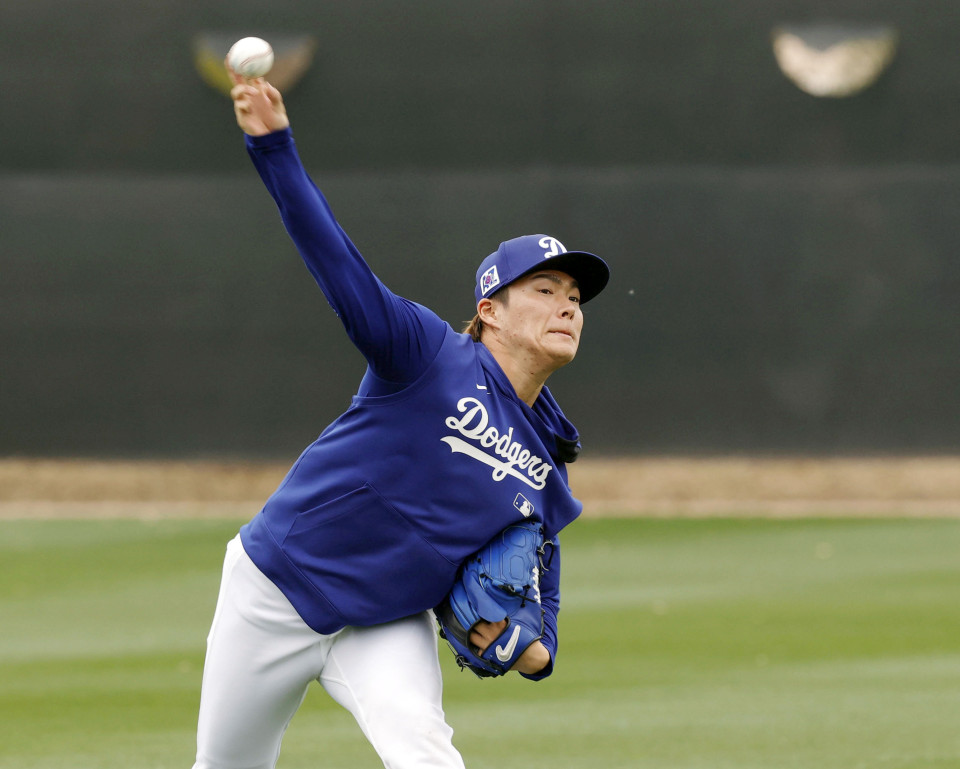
257,105
498,585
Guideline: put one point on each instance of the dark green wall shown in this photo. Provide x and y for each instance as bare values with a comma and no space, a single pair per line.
785,268
109,85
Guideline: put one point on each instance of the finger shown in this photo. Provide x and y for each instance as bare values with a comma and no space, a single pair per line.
242,102
273,94
237,79
241,90
485,633
481,640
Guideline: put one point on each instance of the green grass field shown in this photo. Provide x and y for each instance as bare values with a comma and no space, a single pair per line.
822,644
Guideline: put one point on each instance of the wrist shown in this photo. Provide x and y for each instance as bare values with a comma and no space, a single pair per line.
534,660
268,140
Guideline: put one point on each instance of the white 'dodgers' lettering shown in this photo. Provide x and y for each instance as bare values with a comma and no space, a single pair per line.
474,424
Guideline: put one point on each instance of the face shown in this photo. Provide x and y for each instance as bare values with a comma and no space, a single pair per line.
542,317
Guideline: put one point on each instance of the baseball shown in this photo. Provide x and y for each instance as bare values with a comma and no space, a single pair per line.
250,57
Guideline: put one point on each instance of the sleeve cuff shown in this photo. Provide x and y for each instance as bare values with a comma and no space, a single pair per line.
542,674
271,140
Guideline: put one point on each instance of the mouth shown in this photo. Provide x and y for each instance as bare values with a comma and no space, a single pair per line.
562,333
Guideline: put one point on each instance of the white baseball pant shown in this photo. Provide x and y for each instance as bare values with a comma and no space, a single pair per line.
261,658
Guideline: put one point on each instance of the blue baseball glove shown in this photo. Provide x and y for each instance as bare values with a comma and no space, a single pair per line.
500,581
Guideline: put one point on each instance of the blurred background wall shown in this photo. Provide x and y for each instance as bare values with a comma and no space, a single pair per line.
785,267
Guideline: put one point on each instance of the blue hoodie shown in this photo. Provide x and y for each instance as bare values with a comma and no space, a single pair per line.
434,456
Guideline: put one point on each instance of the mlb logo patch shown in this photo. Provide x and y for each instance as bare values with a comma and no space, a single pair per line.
524,505
489,280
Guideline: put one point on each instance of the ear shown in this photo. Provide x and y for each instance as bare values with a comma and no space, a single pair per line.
487,310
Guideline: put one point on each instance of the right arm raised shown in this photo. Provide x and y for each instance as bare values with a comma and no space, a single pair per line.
398,338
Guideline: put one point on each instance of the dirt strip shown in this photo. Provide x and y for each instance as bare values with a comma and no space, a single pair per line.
649,486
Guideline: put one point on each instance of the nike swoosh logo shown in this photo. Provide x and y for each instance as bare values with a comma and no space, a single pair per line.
504,653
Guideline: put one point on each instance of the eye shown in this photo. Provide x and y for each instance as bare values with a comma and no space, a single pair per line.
546,291
575,299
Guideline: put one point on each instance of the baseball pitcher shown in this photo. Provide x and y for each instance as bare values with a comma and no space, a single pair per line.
437,496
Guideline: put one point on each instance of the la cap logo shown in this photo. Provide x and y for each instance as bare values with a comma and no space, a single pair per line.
553,247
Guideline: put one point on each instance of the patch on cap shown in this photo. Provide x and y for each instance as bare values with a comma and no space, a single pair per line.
520,256
489,280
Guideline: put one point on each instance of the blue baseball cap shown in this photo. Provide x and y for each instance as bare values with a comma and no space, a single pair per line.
521,256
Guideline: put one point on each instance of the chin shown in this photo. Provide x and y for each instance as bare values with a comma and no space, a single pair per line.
560,348
563,357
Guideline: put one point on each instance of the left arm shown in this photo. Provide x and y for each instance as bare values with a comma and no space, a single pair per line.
536,662
550,600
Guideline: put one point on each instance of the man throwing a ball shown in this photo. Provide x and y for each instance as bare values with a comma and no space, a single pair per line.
450,439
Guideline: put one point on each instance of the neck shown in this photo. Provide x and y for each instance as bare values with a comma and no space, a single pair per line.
527,381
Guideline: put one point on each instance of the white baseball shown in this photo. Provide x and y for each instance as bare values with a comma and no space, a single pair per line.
250,57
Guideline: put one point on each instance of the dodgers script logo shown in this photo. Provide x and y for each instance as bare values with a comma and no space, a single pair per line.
553,247
517,462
